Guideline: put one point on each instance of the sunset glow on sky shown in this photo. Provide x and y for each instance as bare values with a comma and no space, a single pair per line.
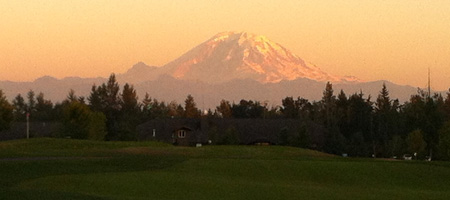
395,40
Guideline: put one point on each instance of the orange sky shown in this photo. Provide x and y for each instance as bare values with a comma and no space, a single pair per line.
394,40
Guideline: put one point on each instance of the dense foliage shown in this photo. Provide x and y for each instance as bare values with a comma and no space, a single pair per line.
354,124
6,112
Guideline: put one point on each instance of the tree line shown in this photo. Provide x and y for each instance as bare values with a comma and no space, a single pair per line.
354,124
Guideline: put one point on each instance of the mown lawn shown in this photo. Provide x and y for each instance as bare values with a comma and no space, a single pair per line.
74,169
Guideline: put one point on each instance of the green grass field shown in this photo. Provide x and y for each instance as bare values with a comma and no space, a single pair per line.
73,169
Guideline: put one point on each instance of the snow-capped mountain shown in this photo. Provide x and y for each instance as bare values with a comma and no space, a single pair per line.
231,55
230,66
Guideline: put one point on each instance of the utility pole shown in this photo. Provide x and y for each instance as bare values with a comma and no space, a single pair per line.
28,125
429,84
428,99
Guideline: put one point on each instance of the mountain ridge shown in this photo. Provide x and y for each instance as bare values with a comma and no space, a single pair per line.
230,66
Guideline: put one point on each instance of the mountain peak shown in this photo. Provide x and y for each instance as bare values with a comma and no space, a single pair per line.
45,79
242,38
139,67
235,34
242,55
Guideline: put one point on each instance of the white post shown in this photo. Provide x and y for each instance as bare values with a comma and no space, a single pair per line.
28,125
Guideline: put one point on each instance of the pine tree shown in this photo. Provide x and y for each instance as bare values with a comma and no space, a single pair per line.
190,108
446,106
342,108
20,108
6,112
106,99
95,101
289,108
71,97
44,109
444,141
334,140
359,125
130,113
129,101
329,105
31,104
386,120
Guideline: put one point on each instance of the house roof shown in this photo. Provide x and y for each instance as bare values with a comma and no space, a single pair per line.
184,128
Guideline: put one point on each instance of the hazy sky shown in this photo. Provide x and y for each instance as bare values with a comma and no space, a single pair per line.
394,40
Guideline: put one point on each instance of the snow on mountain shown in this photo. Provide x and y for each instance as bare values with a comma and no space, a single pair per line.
231,55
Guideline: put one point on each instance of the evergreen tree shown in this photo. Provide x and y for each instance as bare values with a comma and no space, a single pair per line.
446,106
289,108
434,120
106,99
179,110
334,140
130,113
31,104
305,109
129,101
359,116
190,108
44,109
382,113
329,106
147,107
95,100
342,108
248,109
71,97
175,110
20,108
444,141
424,112
386,121
153,109
6,112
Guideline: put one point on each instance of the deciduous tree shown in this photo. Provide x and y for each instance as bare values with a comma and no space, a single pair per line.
224,109
416,143
81,123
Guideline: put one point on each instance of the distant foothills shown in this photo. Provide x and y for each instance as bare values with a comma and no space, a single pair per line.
354,125
231,66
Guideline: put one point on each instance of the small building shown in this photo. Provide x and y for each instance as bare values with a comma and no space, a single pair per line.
183,132
183,136
194,132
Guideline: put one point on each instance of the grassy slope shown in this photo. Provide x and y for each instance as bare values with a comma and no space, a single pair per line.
72,169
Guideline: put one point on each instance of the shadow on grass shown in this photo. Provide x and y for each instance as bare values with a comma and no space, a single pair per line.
17,171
